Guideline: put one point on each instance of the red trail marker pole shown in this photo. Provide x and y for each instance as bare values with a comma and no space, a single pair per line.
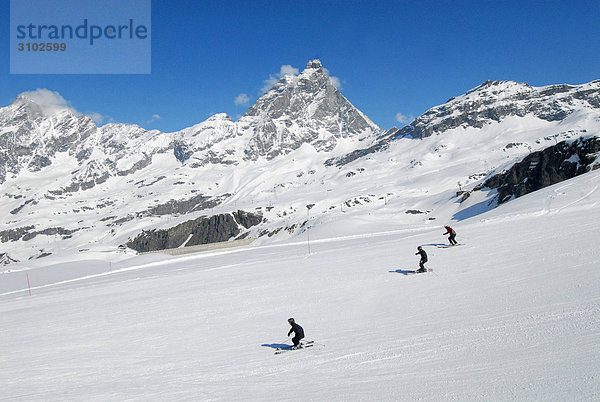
28,286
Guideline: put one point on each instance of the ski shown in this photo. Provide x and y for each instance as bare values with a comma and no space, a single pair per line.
303,345
450,245
416,272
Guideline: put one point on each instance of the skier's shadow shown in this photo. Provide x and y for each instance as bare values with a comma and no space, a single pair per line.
434,244
276,345
403,271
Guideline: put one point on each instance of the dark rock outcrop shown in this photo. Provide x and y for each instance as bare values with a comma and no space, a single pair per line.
27,233
554,164
203,230
172,207
247,219
15,234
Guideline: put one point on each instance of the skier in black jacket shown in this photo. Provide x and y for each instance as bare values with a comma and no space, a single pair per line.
423,259
298,333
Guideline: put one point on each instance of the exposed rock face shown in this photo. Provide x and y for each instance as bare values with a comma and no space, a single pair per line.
214,141
32,137
22,140
27,233
247,219
544,168
203,230
495,100
15,234
193,204
301,109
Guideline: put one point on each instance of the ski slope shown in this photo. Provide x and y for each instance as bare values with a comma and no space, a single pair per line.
511,314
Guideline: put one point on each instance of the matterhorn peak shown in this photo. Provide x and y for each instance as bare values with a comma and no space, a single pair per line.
307,108
316,63
315,71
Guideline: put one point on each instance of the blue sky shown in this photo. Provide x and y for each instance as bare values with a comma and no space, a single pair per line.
393,58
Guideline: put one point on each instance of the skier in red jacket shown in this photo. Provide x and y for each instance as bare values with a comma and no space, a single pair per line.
452,237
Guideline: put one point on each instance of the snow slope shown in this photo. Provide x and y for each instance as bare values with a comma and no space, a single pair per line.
513,313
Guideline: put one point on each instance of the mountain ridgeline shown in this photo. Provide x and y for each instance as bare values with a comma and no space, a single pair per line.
492,101
302,155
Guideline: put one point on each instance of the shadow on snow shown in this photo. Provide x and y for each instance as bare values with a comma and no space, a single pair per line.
403,271
276,345
476,209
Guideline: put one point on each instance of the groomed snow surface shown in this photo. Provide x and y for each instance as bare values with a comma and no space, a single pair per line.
512,313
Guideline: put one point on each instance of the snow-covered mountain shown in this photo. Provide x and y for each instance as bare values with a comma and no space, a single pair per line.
297,110
304,109
493,102
302,156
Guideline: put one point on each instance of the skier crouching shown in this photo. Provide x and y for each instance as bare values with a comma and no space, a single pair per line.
452,237
423,254
298,333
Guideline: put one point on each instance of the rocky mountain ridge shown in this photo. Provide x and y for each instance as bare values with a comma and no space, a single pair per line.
490,102
301,109
495,100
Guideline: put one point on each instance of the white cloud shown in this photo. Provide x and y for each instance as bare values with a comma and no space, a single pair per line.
285,69
242,100
99,119
268,83
96,117
401,118
50,102
335,81
155,117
